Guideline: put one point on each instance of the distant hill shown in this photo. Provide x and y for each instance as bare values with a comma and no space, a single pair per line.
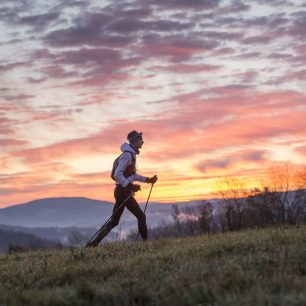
80,212
56,212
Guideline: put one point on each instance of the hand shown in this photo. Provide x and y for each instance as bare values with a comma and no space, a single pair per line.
134,187
152,180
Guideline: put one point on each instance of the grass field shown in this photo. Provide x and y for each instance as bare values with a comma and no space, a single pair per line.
254,267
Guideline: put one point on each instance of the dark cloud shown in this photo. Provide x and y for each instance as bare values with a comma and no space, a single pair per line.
247,76
89,57
297,29
235,7
98,19
257,39
128,25
71,3
299,75
97,79
10,66
57,72
248,55
271,27
31,80
251,155
54,114
270,22
86,36
111,29
17,97
104,28
14,14
187,68
125,11
223,51
39,22
280,56
207,165
229,22
44,54
92,66
275,2
177,48
224,36
7,15
187,4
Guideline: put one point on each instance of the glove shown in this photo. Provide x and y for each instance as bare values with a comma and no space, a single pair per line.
152,180
133,187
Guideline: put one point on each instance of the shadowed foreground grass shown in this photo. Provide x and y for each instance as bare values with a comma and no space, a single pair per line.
254,267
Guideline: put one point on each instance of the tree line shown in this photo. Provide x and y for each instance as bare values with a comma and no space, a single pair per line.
16,241
281,199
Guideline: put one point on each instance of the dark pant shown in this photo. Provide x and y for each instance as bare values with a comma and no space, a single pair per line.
131,204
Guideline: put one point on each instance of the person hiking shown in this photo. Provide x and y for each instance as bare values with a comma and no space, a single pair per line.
124,173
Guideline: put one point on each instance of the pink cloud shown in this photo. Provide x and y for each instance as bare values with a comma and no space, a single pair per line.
300,49
228,161
237,117
6,131
12,142
9,66
301,149
188,68
179,49
297,28
249,120
299,75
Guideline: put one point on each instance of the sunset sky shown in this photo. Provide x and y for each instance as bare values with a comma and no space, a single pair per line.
217,88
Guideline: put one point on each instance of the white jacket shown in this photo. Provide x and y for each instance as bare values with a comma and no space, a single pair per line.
124,161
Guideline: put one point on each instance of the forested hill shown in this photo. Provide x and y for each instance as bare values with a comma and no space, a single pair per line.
13,240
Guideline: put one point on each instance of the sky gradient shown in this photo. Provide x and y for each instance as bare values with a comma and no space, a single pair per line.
216,87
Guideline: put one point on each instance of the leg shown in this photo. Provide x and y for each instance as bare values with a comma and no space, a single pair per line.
114,221
134,208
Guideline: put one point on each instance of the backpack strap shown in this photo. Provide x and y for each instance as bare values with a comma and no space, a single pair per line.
131,168
130,153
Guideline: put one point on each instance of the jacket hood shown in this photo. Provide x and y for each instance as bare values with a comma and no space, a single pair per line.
127,147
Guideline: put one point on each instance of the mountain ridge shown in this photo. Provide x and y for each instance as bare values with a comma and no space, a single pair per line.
79,212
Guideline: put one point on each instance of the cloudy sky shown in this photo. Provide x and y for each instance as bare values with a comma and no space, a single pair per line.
217,88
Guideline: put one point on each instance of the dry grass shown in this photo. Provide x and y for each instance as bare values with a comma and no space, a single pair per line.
254,267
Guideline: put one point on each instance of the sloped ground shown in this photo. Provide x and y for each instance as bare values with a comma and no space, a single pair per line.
254,267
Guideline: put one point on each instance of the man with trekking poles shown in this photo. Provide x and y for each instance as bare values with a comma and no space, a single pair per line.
124,174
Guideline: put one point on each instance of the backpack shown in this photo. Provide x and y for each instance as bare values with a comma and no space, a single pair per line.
128,171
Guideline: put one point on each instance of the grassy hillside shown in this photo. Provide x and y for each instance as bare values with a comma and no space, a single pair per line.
254,267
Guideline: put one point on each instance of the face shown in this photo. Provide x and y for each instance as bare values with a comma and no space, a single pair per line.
138,144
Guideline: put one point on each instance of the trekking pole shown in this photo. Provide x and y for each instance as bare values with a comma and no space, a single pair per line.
144,211
108,220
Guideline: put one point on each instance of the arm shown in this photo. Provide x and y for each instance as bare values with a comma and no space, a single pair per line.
139,178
